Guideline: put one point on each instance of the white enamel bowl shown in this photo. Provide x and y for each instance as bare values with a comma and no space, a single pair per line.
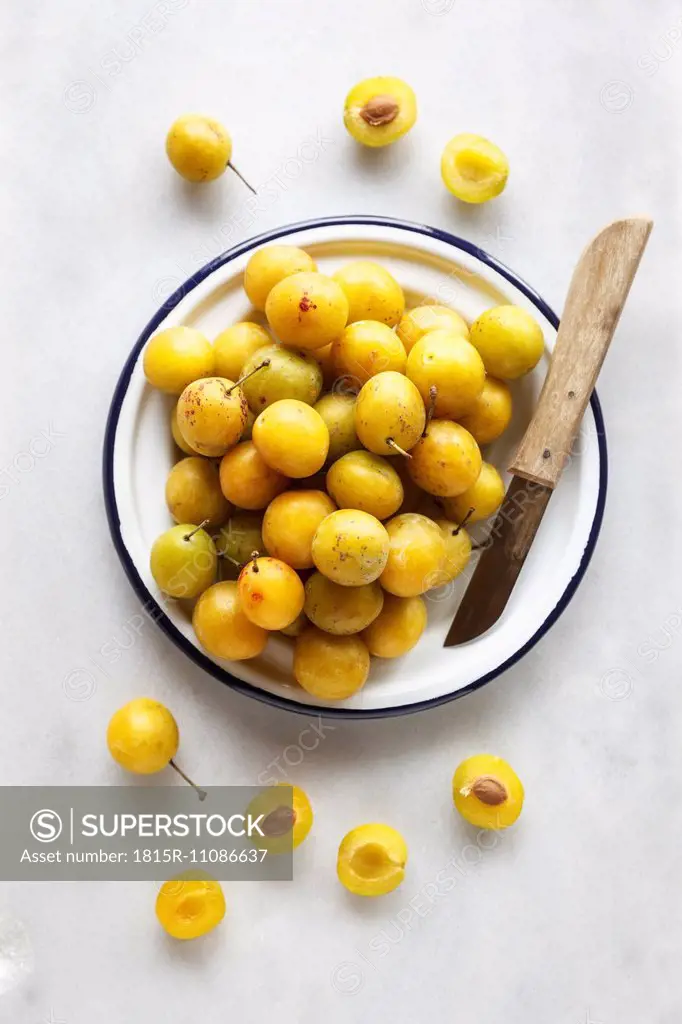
430,264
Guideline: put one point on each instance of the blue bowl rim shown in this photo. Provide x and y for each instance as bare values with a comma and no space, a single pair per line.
153,608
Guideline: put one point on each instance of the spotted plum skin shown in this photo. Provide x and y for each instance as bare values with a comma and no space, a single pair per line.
212,415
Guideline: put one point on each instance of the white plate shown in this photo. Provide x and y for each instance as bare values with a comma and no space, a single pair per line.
429,264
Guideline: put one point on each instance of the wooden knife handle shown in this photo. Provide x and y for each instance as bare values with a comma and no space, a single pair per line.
596,296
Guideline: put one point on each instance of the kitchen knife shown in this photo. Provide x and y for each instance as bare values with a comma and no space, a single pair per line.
596,296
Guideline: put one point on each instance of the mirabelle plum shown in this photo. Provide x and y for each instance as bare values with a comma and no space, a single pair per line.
292,438
248,429
177,436
235,345
247,480
487,792
290,523
380,110
484,496
367,482
143,736
414,497
372,293
324,358
183,561
193,493
221,626
457,553
509,340
389,414
446,461
287,817
188,907
350,548
177,356
198,147
287,375
371,860
330,667
418,322
271,594
341,610
491,413
366,348
237,541
416,553
473,168
338,413
307,310
447,362
270,265
212,415
296,627
397,628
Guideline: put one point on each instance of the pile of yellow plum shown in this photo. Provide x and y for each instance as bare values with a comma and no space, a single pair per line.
331,462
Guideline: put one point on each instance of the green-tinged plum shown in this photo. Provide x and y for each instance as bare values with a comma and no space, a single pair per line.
288,374
237,542
338,413
183,561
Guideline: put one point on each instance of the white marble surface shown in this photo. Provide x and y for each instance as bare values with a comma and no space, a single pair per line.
572,917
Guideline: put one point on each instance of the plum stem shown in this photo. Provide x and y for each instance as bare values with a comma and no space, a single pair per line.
396,448
201,793
464,521
261,366
188,536
241,177
433,395
235,561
